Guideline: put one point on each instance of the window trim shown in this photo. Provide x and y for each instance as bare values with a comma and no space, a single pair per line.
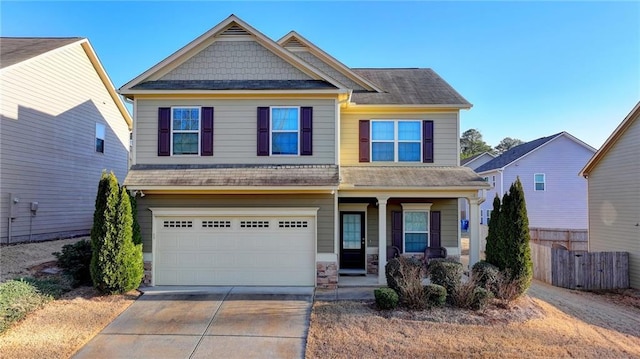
544,182
395,140
184,131
415,208
271,131
95,143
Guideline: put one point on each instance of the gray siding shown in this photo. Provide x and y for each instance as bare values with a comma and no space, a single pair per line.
235,132
614,201
50,106
235,60
445,144
325,224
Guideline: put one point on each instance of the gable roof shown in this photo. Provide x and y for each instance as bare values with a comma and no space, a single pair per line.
613,138
14,50
17,50
300,42
232,25
408,86
524,149
475,157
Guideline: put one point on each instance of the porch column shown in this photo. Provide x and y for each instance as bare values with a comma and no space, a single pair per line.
382,239
474,231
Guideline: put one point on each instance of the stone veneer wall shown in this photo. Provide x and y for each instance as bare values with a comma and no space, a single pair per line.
327,275
146,279
372,264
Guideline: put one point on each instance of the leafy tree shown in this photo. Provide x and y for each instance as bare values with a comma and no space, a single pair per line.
116,262
492,253
471,143
506,144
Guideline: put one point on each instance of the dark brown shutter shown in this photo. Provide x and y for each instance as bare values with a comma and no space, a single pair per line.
206,140
427,141
364,140
306,126
434,230
164,131
396,229
263,131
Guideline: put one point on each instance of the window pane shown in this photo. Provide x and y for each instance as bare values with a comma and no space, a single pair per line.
539,178
99,145
415,242
185,143
186,119
409,130
284,119
382,151
539,186
409,151
351,235
284,143
382,130
415,221
100,130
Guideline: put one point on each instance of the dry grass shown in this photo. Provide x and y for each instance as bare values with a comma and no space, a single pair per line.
530,328
63,326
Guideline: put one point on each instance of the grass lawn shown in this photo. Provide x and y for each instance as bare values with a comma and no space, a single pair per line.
533,328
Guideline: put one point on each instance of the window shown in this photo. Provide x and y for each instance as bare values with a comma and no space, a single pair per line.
488,212
185,130
493,181
100,134
396,141
285,134
539,182
482,216
416,227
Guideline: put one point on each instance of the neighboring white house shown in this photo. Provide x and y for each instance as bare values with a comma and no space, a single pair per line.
548,168
62,124
472,162
613,176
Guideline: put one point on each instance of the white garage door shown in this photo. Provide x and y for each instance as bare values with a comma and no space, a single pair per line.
235,250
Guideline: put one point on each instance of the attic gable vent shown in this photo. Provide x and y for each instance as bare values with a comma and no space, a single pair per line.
294,43
235,30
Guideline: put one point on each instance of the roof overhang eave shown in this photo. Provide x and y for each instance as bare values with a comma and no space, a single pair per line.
132,93
147,189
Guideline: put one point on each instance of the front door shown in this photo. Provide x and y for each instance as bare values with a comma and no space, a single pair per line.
352,242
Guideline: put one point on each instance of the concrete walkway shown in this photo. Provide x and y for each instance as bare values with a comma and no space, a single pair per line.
199,322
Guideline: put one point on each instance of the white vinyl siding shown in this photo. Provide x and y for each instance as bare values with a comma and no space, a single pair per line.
235,131
50,106
614,201
445,142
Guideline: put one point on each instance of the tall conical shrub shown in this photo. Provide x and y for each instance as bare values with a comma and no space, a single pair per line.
491,249
517,249
116,262
137,235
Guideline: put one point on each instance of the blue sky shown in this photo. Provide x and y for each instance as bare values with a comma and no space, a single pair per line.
531,69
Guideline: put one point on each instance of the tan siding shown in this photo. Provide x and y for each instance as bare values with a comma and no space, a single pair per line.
235,132
235,60
445,141
614,201
49,108
324,202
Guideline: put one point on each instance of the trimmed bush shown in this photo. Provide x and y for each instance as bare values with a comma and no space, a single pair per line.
75,260
116,262
136,234
435,295
392,272
386,298
486,275
17,299
446,273
404,275
481,297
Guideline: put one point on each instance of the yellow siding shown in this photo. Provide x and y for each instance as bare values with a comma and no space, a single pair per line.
235,132
445,141
614,201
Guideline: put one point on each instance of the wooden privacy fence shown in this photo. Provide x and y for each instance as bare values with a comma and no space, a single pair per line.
573,239
580,269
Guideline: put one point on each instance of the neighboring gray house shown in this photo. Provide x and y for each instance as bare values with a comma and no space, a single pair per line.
269,162
613,177
548,169
473,162
62,124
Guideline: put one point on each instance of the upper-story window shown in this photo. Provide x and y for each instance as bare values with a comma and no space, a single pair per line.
539,182
100,136
285,130
185,130
396,141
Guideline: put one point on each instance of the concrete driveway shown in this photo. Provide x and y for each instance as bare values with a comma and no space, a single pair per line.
212,322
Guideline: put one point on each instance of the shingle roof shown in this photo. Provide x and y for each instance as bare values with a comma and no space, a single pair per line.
515,153
236,175
469,159
411,86
411,177
17,49
234,85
